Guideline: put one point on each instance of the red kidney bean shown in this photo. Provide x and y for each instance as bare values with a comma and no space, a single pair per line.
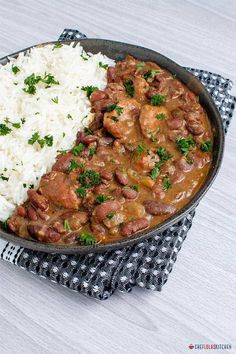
183,165
129,193
31,213
121,177
62,162
106,140
79,137
39,201
21,211
42,215
85,152
196,128
88,139
111,74
107,175
177,177
51,235
43,233
157,208
134,226
105,208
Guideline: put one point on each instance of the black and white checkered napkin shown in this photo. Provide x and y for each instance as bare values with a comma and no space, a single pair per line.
146,264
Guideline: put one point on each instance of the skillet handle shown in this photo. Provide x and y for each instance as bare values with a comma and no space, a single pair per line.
70,34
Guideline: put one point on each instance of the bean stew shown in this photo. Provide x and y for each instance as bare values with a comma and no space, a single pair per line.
144,156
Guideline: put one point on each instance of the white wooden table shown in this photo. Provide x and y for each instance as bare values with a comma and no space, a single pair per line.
197,305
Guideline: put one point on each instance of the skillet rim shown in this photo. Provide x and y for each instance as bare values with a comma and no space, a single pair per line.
216,122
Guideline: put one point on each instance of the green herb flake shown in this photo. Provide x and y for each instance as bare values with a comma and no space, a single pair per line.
89,90
69,116
57,45
166,183
154,173
151,73
31,186
66,225
81,191
55,99
110,215
163,154
23,120
72,166
102,198
34,138
103,66
115,118
112,107
185,144
4,130
140,66
90,178
88,131
4,178
135,187
140,149
161,116
158,100
206,146
4,225
48,140
92,152
62,151
24,185
78,149
15,69
129,87
87,239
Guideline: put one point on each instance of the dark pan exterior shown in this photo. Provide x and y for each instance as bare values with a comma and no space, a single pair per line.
117,51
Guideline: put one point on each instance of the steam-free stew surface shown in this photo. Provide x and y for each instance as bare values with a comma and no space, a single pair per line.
145,155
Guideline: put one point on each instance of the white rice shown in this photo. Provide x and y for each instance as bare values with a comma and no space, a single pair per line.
23,164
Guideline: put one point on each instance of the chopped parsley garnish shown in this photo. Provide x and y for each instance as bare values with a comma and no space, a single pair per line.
135,188
154,173
55,99
102,198
15,125
140,149
47,139
189,161
87,239
88,131
24,185
72,165
81,191
113,107
166,183
62,151
32,80
89,178
92,151
140,66
69,116
4,130
23,120
4,178
174,75
206,146
158,100
15,69
129,87
31,186
66,225
185,144
160,116
103,66
4,225
115,118
83,57
78,149
163,154
89,89
110,215
150,73
56,46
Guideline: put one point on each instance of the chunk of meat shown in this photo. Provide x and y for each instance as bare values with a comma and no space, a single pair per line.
39,201
177,134
158,189
63,161
116,92
157,208
59,189
112,75
194,123
124,122
145,162
175,123
115,220
105,141
98,95
140,89
134,209
134,226
75,219
177,177
109,206
149,122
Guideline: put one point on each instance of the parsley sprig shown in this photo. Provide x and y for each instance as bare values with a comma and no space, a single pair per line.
87,239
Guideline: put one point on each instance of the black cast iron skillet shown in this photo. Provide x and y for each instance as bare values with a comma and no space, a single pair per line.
117,51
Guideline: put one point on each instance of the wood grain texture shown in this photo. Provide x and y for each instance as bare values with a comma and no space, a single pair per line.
197,305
